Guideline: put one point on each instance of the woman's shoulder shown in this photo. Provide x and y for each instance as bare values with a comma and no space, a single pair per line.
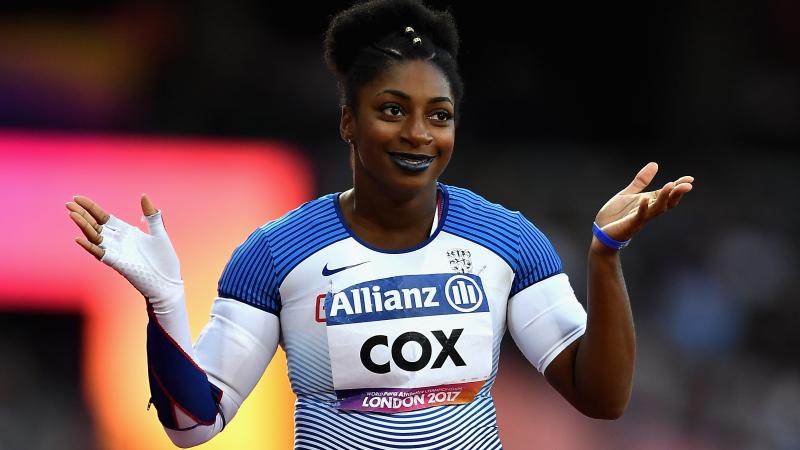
465,201
472,216
508,233
312,217
319,208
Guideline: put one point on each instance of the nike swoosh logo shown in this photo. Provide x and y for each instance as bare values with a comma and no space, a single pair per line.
328,272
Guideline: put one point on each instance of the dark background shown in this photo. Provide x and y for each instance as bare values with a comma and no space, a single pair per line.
564,103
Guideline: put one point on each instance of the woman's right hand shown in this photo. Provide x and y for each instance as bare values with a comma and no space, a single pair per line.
147,261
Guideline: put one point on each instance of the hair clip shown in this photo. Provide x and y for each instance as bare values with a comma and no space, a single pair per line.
416,41
409,30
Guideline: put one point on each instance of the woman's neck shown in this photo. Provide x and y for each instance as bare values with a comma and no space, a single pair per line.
392,222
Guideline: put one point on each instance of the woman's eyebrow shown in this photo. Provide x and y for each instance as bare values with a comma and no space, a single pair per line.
440,99
403,95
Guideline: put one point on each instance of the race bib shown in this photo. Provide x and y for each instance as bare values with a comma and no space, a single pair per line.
409,342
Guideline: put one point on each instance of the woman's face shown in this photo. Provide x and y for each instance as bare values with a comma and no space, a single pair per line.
403,131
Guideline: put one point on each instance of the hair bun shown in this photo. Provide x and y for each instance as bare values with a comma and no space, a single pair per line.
367,23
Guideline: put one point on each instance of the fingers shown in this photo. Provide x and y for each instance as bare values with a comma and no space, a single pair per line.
155,222
677,194
641,211
89,217
92,208
76,208
93,238
147,206
88,230
669,196
96,251
642,179
662,198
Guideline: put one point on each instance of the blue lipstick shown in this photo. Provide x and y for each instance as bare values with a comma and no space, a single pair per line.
411,162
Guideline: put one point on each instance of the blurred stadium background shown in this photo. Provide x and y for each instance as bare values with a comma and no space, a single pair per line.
225,113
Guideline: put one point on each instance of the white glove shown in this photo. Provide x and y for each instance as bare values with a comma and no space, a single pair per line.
150,264
148,261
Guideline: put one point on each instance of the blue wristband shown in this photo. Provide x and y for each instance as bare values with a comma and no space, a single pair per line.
607,240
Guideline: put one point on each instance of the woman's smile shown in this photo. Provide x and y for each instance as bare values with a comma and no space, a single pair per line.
411,162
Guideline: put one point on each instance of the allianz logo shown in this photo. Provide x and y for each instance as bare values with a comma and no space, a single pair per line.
461,292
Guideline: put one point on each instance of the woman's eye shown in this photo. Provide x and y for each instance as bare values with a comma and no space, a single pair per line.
392,110
442,116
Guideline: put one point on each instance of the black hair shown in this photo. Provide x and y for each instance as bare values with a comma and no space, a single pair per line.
369,37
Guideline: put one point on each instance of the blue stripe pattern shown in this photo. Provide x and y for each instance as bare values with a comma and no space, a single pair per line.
309,365
319,426
487,387
507,233
259,266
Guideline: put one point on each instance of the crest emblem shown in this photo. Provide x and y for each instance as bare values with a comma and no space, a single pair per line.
460,260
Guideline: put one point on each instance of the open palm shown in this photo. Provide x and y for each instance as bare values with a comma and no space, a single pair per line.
630,209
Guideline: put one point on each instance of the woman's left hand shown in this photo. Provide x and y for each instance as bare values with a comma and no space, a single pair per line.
630,209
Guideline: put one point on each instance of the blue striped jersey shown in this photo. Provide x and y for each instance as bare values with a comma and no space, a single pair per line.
381,343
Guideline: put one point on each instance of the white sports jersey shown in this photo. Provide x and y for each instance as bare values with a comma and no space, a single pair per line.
399,349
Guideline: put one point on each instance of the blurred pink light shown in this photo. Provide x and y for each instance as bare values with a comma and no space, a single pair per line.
213,194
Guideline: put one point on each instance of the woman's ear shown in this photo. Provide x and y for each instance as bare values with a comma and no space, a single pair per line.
346,125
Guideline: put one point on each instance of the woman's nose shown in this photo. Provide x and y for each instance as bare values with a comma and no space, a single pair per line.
416,132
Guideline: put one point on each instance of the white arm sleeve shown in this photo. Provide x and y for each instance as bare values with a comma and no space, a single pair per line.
544,319
234,349
235,346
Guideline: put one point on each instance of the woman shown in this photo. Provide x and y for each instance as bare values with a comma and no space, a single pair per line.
390,299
